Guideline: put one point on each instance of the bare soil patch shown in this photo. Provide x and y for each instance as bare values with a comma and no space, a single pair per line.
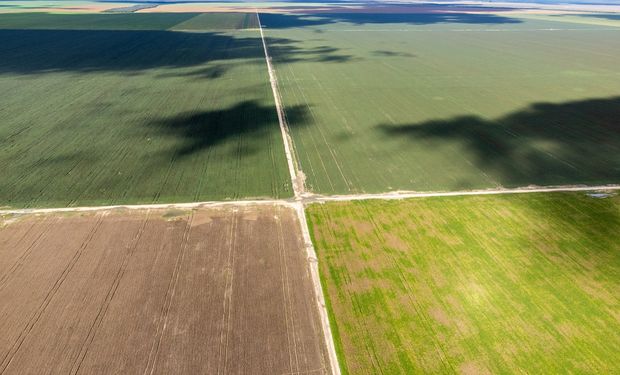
223,290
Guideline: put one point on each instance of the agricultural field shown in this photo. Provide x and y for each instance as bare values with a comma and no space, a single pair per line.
209,290
117,108
443,101
479,284
130,21
157,102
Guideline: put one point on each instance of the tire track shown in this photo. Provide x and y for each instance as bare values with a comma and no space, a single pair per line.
289,319
8,358
19,261
228,291
109,296
151,363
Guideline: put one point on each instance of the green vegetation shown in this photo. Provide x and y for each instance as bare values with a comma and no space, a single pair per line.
448,101
130,21
129,116
94,21
500,284
219,21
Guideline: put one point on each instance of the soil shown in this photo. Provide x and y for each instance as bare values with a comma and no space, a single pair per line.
215,290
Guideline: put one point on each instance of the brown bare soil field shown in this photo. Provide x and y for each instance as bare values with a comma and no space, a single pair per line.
166,292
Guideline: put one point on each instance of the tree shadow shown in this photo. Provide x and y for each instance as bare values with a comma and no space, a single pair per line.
612,17
284,50
210,72
34,51
386,53
379,6
92,21
41,51
144,152
202,130
545,144
283,21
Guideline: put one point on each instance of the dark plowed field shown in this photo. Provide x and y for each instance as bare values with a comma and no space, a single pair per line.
168,292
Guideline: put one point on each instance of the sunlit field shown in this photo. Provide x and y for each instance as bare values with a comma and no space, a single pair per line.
487,284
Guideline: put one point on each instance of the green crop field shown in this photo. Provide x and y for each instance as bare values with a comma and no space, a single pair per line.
447,101
94,21
108,109
486,284
221,21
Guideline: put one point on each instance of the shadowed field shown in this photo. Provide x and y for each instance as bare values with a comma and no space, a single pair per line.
487,284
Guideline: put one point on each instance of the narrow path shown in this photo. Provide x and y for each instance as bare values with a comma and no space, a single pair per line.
308,198
413,194
156,206
297,182
286,138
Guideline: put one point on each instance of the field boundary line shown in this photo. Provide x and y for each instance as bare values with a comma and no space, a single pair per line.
413,194
155,206
297,181
286,138
312,198
313,263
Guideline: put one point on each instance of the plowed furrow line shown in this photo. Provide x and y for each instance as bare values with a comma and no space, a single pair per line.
151,363
6,361
108,299
228,292
24,255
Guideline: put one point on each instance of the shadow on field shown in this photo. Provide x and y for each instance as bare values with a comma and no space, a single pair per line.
92,21
547,144
386,53
247,120
40,51
612,17
284,50
34,51
283,21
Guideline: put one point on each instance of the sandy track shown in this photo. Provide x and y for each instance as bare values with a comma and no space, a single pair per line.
218,290
157,206
414,194
308,198
297,182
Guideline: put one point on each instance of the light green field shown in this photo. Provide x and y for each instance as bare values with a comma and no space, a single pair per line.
489,284
450,101
95,113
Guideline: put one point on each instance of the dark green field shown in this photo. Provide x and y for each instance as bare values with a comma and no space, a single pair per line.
524,283
95,111
94,21
451,101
